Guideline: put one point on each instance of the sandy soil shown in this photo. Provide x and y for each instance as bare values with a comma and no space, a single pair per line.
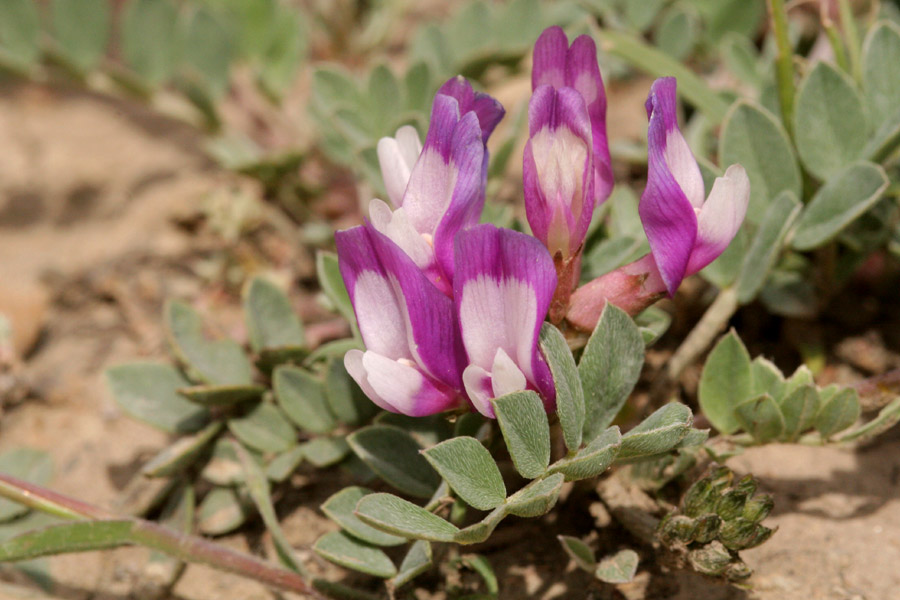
93,198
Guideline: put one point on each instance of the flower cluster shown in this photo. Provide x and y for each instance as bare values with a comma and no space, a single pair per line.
449,310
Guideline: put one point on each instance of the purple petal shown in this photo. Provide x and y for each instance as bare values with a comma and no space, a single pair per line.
557,172
488,109
429,315
721,217
503,286
666,212
378,311
467,199
398,386
549,64
583,74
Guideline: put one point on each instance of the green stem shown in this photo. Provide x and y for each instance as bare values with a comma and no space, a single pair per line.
851,33
837,44
188,548
784,63
50,502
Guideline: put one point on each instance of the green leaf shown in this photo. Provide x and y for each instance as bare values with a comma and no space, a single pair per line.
470,471
265,428
20,30
417,560
536,498
218,362
222,511
149,392
222,395
677,32
80,536
346,400
271,321
829,121
725,382
282,466
284,52
326,451
302,396
523,421
401,517
343,550
767,245
340,508
27,464
182,453
761,418
579,552
569,393
618,568
658,433
207,51
394,455
333,284
383,96
418,87
886,419
482,566
258,488
799,408
609,368
838,412
881,70
149,39
81,30
843,198
755,139
766,378
593,459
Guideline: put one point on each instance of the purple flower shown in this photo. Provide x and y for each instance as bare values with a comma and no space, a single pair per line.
437,188
567,168
685,232
686,229
502,290
414,355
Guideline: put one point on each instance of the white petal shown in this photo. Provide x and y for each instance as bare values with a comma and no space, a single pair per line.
397,227
506,377
495,314
395,382
353,362
477,382
430,190
380,316
684,167
724,210
560,157
397,157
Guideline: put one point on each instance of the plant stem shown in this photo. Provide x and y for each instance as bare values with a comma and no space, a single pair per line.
701,336
834,39
188,548
784,63
851,33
